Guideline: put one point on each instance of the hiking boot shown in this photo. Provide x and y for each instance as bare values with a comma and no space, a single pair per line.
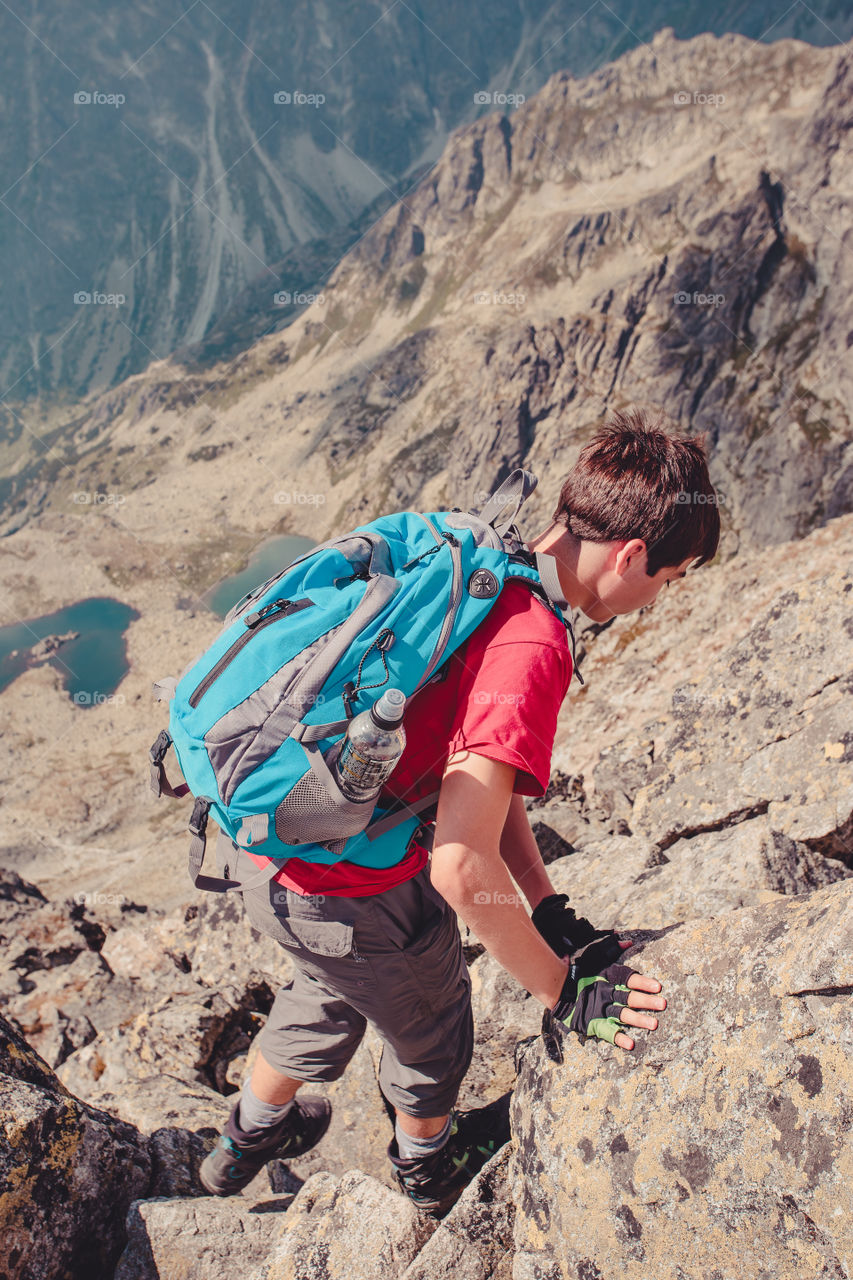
436,1182
238,1156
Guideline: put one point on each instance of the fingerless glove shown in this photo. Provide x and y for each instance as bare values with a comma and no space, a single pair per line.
567,933
592,1002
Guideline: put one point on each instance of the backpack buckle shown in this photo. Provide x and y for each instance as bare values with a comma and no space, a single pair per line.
198,819
157,753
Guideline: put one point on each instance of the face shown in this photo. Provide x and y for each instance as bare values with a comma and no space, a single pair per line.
621,584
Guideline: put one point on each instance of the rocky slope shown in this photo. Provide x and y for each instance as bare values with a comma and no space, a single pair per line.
600,200
719,837
703,788
156,166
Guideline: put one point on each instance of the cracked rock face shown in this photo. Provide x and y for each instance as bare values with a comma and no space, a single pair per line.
723,1144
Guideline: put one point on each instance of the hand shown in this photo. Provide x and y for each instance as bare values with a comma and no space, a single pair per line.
643,996
596,1003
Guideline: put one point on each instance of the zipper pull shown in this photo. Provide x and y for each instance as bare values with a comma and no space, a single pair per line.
252,619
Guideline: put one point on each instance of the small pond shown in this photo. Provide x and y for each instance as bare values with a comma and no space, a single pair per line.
92,664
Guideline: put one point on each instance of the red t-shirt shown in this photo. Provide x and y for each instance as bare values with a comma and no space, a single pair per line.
499,696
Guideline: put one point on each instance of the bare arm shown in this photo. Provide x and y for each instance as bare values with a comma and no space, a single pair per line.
469,871
520,852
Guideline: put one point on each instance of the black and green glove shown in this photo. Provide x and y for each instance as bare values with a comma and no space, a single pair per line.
590,1003
567,933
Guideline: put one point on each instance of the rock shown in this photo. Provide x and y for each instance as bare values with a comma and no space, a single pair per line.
210,1238
627,883
564,818
196,945
504,1013
725,1137
475,1240
67,1172
551,843
50,645
53,1006
757,730
54,935
345,1227
191,1036
621,771
17,895
153,1101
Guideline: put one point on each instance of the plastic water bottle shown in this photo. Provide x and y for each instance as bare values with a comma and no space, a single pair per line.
373,744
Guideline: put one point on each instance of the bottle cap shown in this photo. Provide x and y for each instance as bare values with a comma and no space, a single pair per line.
387,711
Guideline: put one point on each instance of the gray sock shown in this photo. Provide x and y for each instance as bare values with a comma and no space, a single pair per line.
416,1148
256,1115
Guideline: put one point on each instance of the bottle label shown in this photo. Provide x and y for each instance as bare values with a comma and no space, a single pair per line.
359,772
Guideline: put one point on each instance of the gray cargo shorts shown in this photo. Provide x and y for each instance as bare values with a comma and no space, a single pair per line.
392,959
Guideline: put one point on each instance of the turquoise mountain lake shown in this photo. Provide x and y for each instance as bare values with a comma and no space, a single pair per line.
267,560
92,665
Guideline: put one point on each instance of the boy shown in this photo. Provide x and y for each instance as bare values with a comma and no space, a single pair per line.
382,945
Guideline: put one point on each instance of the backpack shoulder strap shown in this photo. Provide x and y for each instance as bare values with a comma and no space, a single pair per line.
517,488
549,591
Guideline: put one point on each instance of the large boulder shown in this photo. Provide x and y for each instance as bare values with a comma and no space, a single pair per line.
722,1145
68,1173
338,1228
202,1239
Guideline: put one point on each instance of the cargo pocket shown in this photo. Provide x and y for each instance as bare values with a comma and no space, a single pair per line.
321,937
330,938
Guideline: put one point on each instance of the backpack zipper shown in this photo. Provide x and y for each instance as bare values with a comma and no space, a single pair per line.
255,622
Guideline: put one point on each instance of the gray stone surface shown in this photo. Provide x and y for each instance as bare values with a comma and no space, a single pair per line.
209,1238
724,1138
67,1172
341,1227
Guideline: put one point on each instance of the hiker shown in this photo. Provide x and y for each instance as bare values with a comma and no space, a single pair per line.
382,944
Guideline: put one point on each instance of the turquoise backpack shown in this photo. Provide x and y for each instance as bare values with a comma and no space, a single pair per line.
258,720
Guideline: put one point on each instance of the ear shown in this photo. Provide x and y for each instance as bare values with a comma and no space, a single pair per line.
629,553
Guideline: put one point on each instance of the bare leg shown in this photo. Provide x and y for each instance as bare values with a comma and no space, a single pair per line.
269,1085
419,1126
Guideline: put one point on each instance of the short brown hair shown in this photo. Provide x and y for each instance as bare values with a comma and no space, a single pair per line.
637,479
